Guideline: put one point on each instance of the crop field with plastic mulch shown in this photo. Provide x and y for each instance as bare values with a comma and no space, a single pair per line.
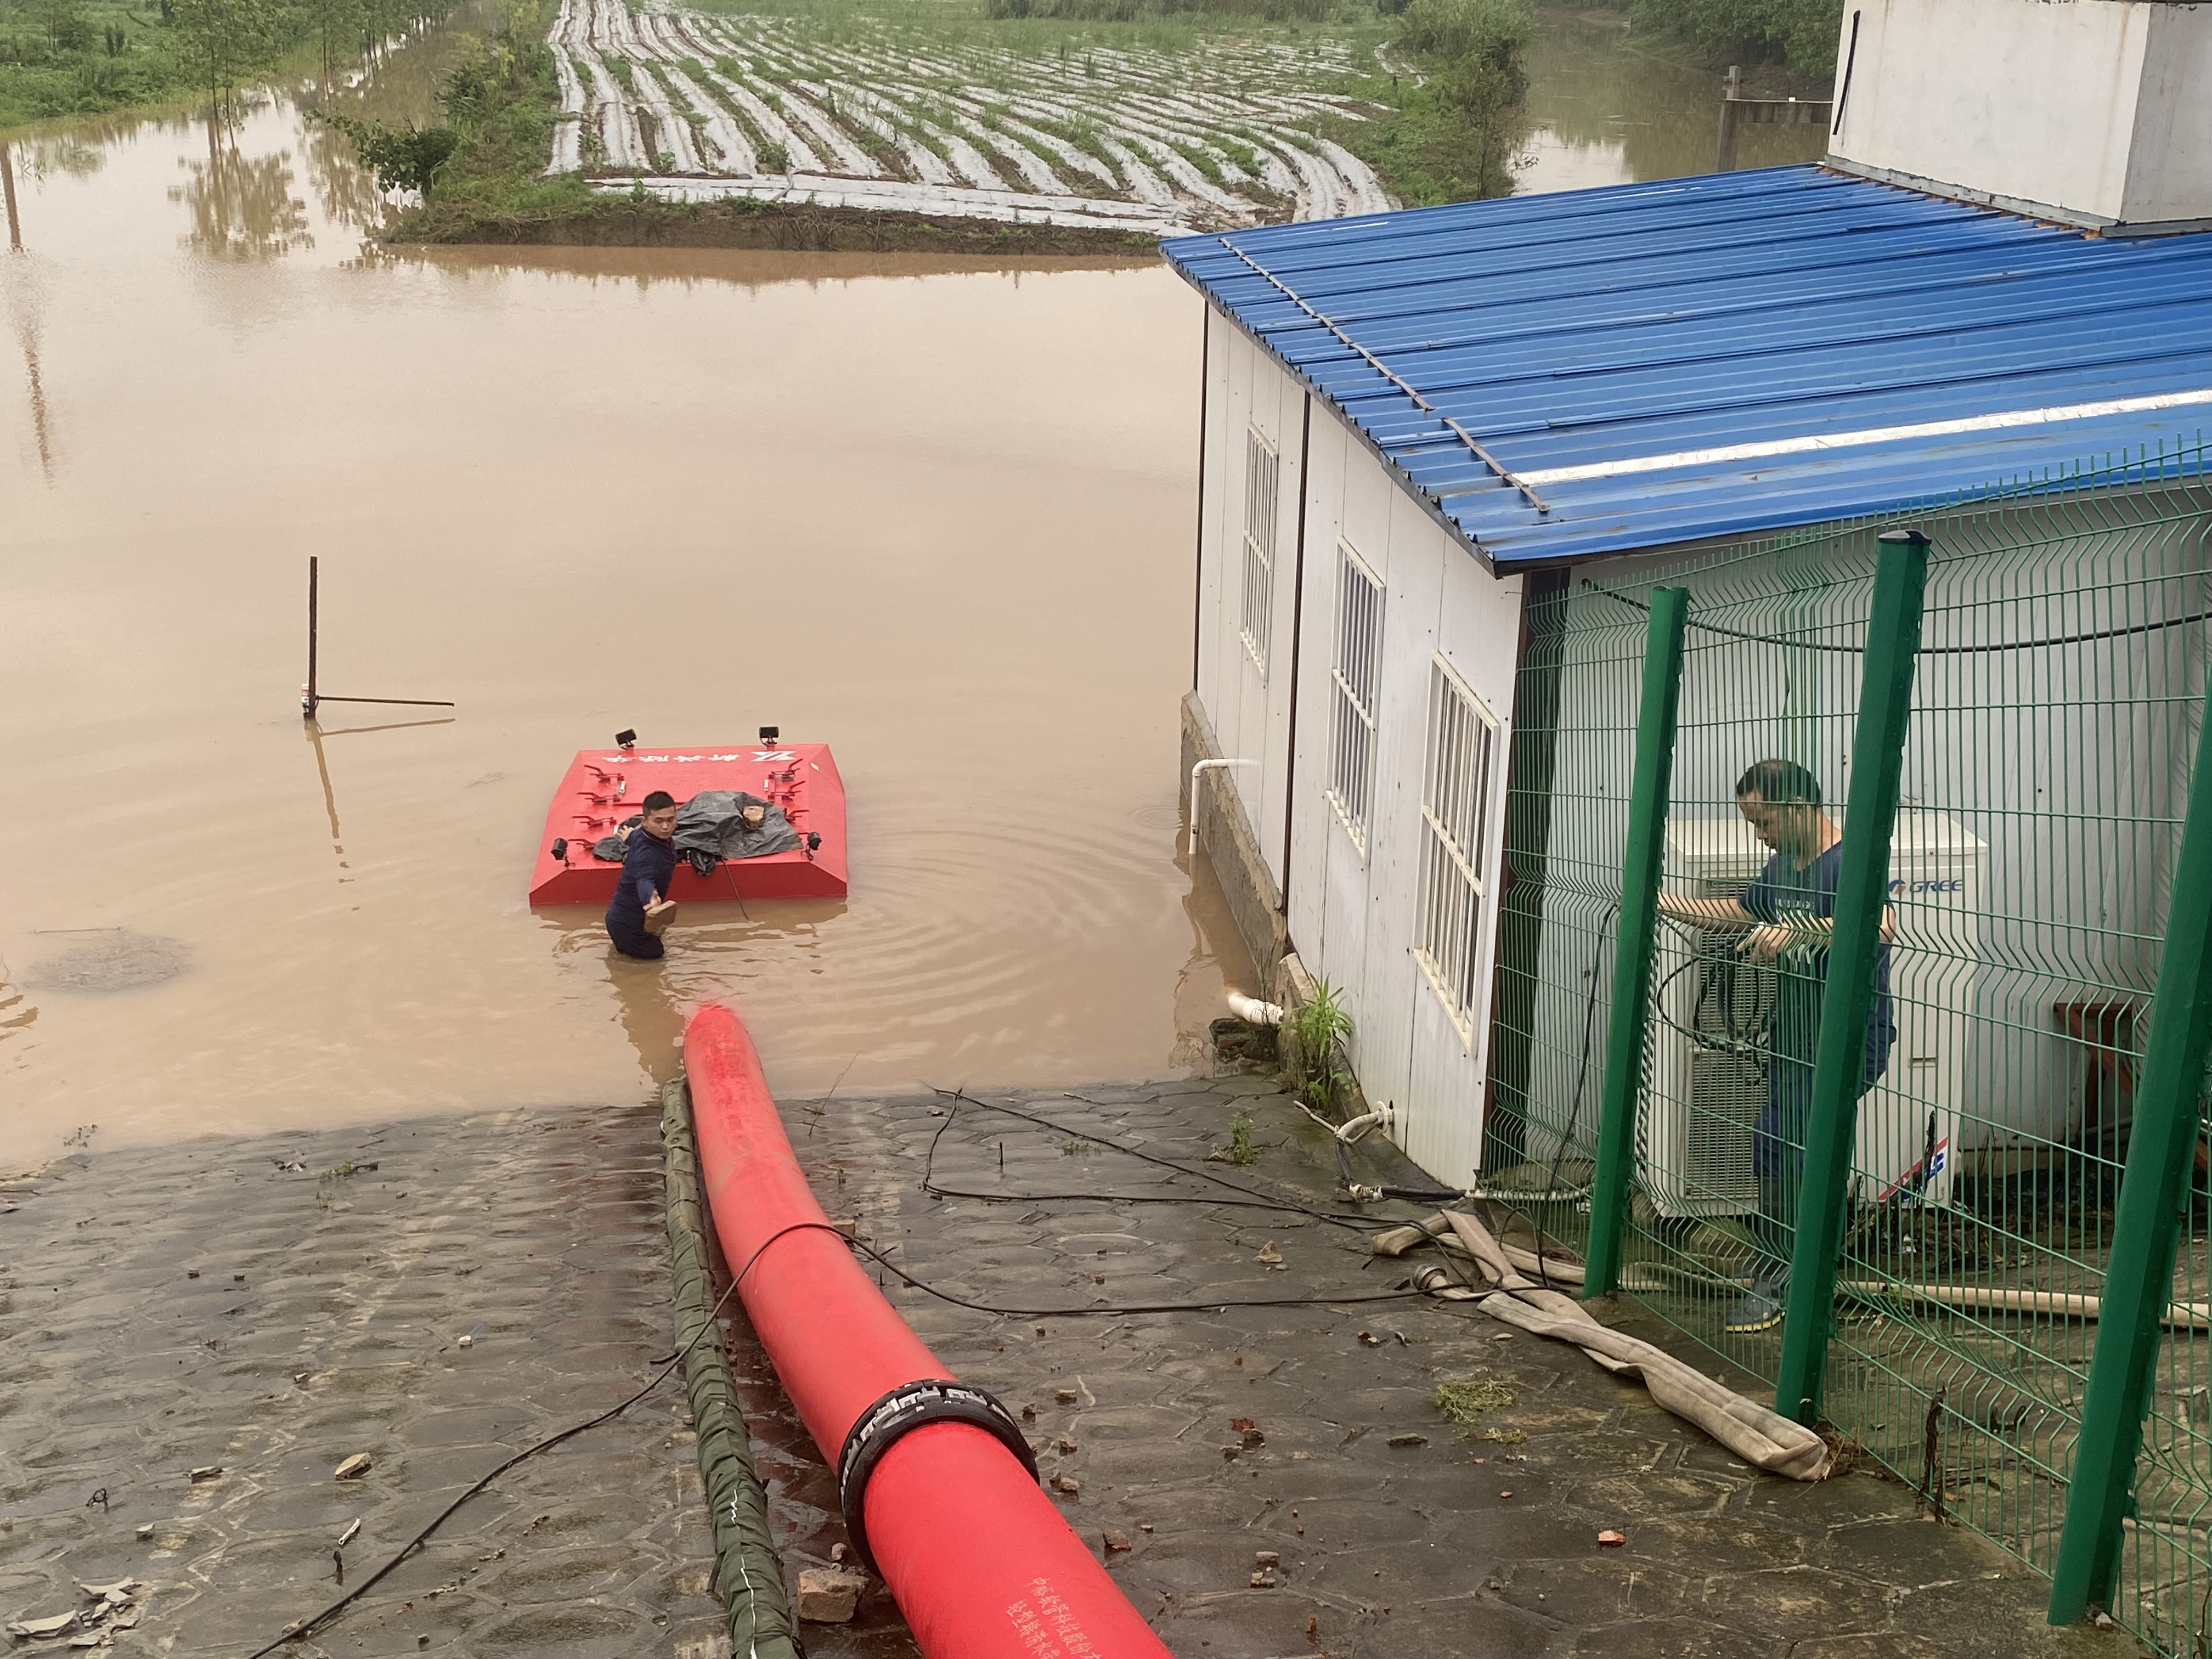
688,106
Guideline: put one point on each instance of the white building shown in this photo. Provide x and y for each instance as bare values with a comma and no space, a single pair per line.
1417,424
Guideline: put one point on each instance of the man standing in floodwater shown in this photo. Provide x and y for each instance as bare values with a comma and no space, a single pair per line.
1788,917
648,865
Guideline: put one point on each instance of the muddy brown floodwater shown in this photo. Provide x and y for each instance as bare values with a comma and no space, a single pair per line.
937,516
1607,105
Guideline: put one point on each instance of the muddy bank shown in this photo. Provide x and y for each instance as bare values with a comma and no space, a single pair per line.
789,228
744,267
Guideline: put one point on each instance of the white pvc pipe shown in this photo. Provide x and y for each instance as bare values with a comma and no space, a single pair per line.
1253,1011
1352,1128
1202,766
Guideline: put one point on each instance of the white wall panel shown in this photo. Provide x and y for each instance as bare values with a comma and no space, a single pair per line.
1247,391
1333,456
1479,635
1412,612
1352,914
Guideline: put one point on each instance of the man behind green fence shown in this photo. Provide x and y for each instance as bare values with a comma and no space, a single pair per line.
1788,917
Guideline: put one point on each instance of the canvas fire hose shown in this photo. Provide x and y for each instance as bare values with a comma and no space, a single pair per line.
937,1485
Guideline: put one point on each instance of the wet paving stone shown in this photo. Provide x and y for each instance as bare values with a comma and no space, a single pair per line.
543,1229
540,1236
1389,1550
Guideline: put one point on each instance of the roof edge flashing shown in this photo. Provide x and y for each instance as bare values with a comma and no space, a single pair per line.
2089,223
1428,503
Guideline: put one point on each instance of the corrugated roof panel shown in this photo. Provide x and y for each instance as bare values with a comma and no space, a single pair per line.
1622,347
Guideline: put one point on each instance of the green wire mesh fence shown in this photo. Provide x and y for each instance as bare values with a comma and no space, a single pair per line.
2060,689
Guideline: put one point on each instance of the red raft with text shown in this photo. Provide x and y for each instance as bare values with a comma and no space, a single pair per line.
602,790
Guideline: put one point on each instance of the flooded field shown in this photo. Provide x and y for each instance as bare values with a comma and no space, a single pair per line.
937,515
699,107
1054,124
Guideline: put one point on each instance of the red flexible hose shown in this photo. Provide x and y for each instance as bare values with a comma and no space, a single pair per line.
980,1560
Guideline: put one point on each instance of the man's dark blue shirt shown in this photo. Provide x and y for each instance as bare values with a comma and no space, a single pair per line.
648,865
1781,891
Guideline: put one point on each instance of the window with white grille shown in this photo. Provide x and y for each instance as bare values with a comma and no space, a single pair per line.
1352,674
1263,471
1455,824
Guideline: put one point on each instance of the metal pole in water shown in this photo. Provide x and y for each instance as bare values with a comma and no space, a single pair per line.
314,581
7,188
1724,140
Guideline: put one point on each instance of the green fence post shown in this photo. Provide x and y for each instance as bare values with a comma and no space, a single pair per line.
2146,1231
1847,999
1649,787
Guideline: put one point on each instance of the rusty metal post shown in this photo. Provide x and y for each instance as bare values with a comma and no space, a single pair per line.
7,188
1725,142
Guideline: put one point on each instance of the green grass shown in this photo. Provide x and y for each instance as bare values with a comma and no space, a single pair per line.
968,23
1802,34
85,59
497,174
1424,152
1467,1400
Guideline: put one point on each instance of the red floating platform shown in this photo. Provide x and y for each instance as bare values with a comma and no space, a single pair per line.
604,787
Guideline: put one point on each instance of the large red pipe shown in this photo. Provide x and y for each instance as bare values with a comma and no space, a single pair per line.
979,1559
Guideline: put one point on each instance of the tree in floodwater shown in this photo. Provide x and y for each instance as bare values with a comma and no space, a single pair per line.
1475,103
337,27
469,91
227,41
402,158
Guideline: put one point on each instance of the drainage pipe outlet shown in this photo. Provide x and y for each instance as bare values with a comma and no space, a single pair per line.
939,1492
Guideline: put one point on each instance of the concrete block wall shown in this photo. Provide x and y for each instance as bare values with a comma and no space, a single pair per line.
2096,113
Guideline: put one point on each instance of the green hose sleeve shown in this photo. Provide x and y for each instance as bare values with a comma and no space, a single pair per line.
748,1575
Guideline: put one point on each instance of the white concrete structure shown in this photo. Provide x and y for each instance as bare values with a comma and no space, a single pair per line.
1363,658
2091,112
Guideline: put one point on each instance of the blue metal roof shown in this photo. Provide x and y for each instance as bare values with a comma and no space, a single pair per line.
1555,374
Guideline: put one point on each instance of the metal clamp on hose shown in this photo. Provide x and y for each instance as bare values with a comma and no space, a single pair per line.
902,1411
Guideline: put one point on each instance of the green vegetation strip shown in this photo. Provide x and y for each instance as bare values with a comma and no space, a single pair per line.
748,1575
83,57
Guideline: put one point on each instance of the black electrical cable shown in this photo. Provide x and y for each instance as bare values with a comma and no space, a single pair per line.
308,1626
1208,1306
1575,1109
734,893
1250,1199
1926,650
1412,1195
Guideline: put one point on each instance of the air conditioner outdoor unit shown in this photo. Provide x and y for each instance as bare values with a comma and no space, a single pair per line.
1708,1077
